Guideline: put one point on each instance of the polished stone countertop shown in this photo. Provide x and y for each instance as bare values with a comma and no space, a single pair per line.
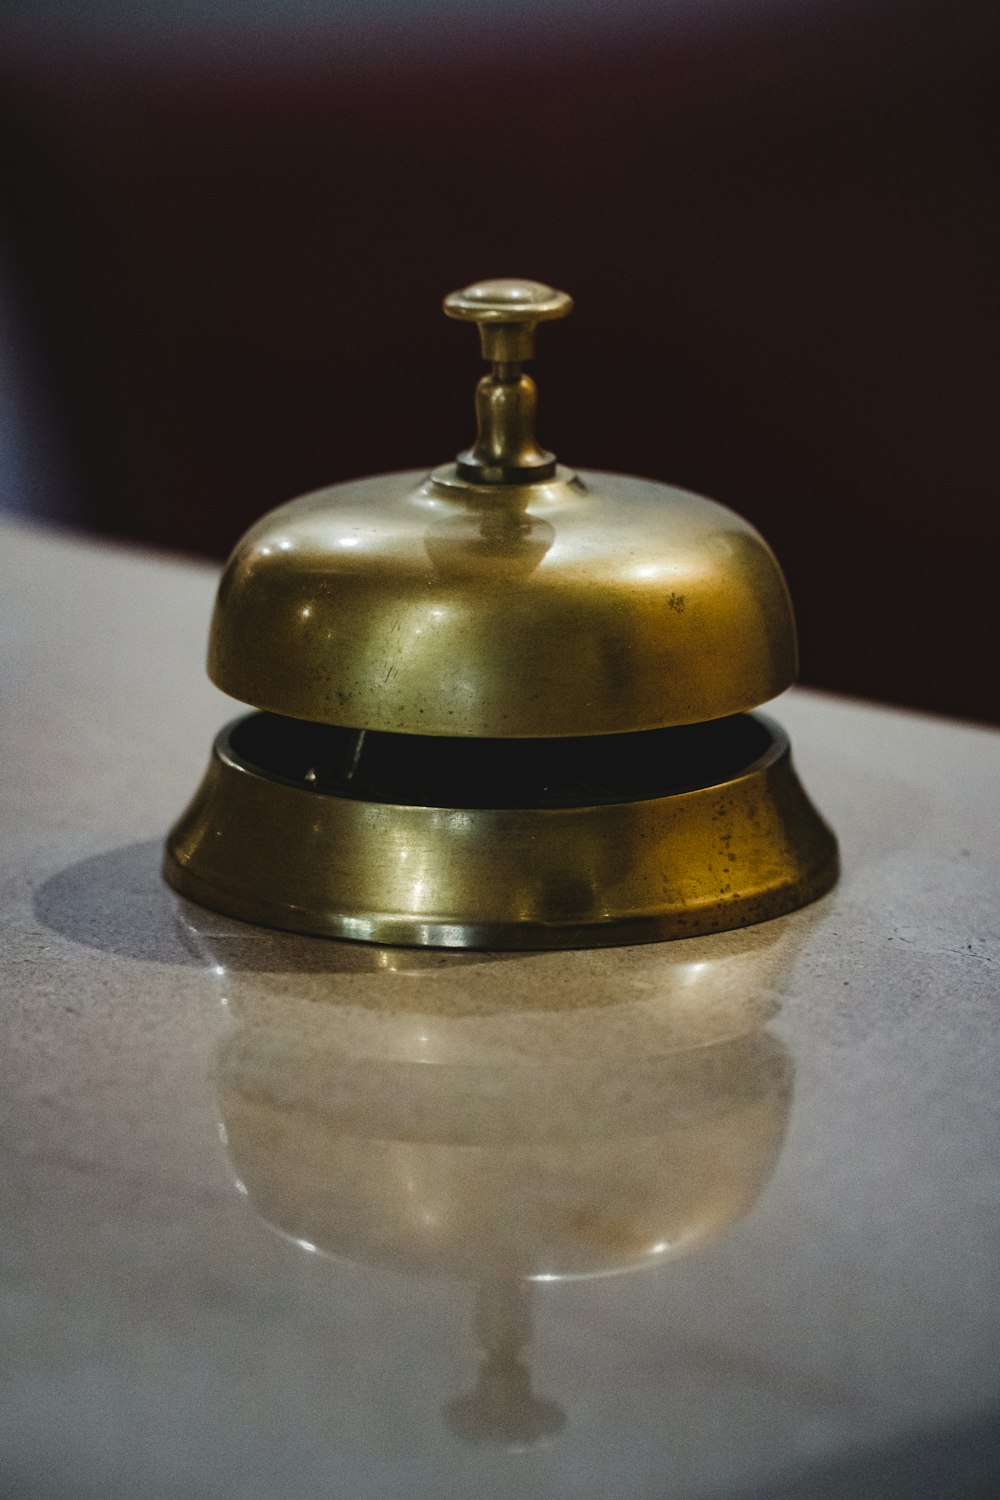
289,1217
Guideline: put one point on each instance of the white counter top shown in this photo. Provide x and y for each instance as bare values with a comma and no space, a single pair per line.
286,1217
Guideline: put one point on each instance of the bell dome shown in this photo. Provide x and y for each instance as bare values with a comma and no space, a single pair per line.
503,595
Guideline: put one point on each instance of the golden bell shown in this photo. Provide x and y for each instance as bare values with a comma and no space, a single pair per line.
502,705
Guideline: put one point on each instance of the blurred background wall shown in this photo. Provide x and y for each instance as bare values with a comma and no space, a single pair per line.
226,227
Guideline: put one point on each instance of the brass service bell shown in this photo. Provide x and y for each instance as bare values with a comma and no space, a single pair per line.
502,705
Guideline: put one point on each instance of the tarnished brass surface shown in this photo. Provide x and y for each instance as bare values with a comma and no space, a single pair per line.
580,606
263,849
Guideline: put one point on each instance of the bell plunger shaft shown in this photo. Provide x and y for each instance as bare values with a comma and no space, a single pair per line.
507,311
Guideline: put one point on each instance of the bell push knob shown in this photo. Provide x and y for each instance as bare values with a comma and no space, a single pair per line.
507,312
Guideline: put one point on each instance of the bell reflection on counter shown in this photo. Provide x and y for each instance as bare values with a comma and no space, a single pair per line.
533,1158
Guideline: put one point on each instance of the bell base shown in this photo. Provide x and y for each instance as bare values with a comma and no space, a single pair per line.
257,846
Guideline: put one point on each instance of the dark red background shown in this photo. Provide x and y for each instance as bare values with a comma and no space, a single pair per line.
781,238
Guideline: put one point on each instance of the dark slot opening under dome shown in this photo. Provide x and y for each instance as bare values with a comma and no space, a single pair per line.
431,771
